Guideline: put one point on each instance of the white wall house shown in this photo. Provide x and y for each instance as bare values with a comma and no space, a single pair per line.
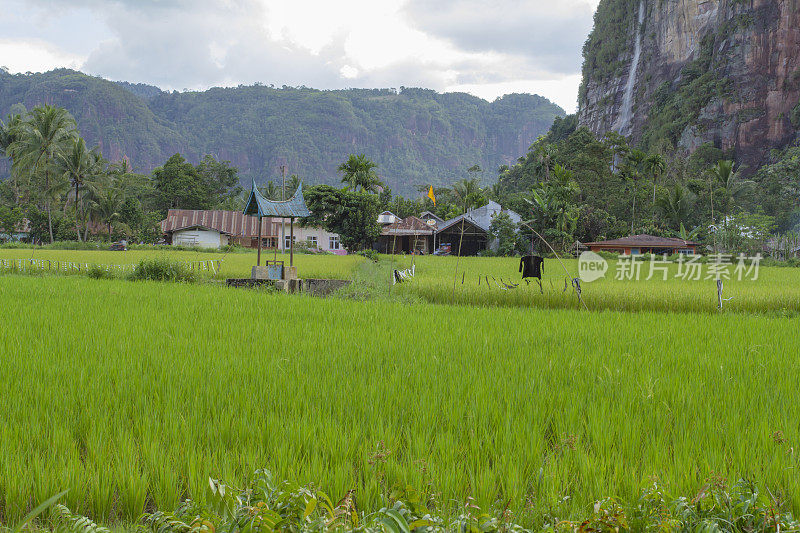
199,236
314,237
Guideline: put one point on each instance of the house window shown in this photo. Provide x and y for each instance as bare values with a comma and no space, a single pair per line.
312,241
288,239
333,242
269,242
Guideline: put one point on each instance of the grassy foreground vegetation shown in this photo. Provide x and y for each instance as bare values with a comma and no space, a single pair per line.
234,265
132,395
776,291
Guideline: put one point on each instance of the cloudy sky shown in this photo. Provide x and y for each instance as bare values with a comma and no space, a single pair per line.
484,47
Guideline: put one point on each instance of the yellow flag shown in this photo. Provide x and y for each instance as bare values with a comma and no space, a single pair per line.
431,196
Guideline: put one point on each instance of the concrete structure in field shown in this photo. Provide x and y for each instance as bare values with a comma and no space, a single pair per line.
644,244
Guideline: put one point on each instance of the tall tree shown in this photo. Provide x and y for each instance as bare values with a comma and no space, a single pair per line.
78,165
636,160
655,167
107,205
358,172
181,186
44,134
353,215
221,179
727,181
676,206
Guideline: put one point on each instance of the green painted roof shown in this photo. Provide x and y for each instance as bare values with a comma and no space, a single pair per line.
294,207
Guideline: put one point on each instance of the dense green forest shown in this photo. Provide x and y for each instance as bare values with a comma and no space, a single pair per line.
416,136
570,185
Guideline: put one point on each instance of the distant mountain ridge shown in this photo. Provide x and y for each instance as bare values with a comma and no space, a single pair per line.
417,136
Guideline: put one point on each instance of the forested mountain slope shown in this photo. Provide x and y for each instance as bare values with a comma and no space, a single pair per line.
416,136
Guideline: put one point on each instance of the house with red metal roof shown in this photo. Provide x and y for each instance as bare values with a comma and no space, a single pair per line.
645,244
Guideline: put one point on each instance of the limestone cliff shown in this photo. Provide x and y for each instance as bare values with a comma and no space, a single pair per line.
688,72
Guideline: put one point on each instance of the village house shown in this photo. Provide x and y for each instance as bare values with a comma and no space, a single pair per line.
215,228
644,244
18,233
475,226
406,235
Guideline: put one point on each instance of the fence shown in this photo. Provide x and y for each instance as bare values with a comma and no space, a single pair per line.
50,265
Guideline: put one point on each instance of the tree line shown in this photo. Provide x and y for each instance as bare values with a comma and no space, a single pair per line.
570,186
68,191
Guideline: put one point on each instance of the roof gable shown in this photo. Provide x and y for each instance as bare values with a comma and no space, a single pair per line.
482,216
294,207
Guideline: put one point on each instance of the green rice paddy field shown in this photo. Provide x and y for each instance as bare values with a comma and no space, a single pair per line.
131,394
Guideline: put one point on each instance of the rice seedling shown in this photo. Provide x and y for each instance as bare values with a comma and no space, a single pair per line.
131,395
489,282
233,265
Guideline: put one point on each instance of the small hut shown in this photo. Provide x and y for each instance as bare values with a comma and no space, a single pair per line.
260,207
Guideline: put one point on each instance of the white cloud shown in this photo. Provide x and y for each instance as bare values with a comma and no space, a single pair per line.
563,92
34,55
485,47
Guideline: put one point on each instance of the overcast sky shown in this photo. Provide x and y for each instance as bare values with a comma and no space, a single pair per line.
484,47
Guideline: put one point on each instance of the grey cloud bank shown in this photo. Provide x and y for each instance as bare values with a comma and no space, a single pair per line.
181,44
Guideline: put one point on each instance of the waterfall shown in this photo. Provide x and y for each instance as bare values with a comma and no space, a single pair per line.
623,123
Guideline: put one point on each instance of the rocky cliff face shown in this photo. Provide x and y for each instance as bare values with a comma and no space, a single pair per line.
725,72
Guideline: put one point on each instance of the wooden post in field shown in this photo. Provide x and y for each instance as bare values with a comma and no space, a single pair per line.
258,261
291,242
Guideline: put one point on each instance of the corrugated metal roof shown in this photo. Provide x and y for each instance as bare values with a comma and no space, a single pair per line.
233,223
294,207
482,216
644,240
408,226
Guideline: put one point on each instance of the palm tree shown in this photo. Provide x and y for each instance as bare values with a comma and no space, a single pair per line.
77,166
270,191
655,166
676,205
106,206
636,159
291,186
468,193
729,179
359,172
41,137
9,133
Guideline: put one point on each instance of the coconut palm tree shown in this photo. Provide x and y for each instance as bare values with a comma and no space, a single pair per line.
468,193
271,191
106,206
291,186
77,166
9,133
676,206
728,179
636,159
41,137
655,167
358,172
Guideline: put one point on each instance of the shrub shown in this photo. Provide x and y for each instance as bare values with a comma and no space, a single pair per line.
372,255
99,272
160,269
